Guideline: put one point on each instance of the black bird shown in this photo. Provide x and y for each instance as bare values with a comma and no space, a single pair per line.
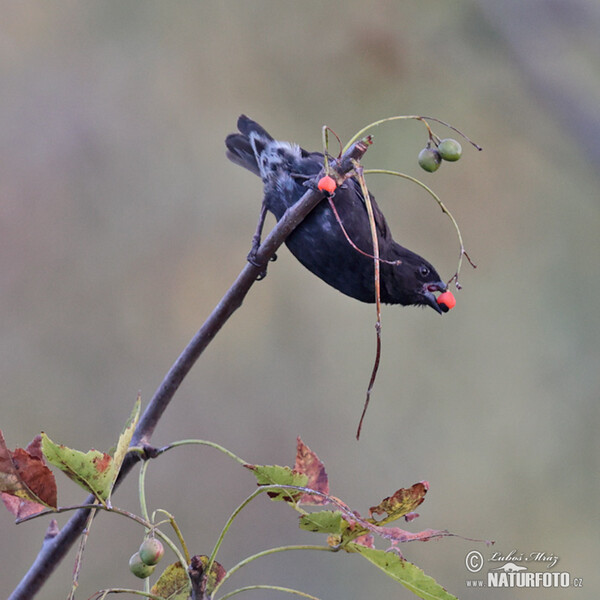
319,242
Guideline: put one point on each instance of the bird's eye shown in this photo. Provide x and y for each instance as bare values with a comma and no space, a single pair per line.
423,271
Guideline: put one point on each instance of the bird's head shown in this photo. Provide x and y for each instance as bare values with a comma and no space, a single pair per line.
413,282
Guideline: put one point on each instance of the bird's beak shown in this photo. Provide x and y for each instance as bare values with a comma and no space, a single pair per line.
428,294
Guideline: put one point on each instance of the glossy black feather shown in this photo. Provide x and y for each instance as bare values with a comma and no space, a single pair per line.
319,242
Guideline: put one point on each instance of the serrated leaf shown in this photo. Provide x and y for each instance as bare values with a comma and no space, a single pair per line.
173,584
399,504
409,575
91,470
94,471
27,484
325,521
276,475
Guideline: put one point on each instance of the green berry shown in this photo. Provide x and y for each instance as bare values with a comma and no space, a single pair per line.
138,567
429,159
151,551
450,149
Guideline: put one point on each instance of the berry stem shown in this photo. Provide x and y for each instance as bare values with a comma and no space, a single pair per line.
349,239
423,120
444,210
188,442
367,199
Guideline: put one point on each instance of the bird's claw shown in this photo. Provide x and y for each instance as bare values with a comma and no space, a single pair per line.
311,184
251,258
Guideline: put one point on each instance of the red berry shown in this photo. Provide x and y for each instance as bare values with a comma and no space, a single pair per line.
446,301
327,184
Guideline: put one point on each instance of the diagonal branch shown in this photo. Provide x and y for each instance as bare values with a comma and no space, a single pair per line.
56,547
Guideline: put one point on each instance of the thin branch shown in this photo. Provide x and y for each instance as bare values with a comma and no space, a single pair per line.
55,550
376,281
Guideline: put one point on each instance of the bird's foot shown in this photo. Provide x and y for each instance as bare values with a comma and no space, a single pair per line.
251,258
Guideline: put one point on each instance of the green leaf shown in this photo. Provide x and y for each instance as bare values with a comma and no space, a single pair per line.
325,521
125,439
173,584
276,475
409,575
92,470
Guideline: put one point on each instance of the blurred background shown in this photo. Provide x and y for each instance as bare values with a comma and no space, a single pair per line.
122,224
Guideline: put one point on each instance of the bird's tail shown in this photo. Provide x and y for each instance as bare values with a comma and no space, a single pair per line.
243,147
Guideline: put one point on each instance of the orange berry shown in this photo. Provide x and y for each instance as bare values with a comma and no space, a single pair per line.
327,184
447,301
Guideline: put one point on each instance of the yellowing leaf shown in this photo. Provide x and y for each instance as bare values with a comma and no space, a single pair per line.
173,584
410,576
402,502
125,439
92,470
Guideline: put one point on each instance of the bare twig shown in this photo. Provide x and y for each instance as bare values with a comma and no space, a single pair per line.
365,192
54,550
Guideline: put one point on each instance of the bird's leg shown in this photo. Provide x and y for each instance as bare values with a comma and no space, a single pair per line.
251,258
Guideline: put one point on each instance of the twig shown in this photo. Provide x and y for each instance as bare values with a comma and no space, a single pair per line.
365,192
55,550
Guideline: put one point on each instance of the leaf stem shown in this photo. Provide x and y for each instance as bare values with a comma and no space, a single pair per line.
188,442
268,552
277,588
142,490
423,120
230,520
179,535
101,594
119,511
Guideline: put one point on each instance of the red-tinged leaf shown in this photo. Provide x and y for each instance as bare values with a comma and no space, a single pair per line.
366,540
91,470
26,483
35,447
21,508
401,503
36,476
308,463
205,583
